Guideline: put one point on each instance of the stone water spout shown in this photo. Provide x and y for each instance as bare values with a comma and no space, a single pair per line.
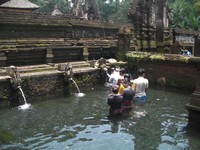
68,72
69,77
15,79
17,91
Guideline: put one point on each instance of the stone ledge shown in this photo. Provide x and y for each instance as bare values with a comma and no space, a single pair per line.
192,107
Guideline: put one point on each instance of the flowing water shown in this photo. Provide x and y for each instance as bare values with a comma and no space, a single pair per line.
24,98
76,123
25,105
79,94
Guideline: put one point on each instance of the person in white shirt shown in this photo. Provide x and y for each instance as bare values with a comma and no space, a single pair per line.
140,86
113,77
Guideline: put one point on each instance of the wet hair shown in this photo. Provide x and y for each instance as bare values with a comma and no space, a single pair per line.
122,70
119,81
125,83
112,69
141,71
115,89
127,77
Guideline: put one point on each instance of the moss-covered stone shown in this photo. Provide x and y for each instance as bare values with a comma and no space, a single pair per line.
147,56
178,70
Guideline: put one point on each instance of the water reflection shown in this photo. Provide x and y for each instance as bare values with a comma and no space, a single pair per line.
71,123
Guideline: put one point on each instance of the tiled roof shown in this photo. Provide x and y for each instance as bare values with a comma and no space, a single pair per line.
19,4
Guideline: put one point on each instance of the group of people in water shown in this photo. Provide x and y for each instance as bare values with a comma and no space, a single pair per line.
125,91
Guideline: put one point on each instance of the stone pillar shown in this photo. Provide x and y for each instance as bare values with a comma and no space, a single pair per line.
194,105
3,59
197,46
159,26
49,55
85,53
123,44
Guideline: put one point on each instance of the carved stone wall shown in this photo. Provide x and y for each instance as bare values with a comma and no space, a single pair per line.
26,39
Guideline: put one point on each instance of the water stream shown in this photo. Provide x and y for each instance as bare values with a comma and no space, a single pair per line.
83,124
24,98
79,94
25,105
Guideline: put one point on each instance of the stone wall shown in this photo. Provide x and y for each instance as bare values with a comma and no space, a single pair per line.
5,91
46,84
174,70
28,39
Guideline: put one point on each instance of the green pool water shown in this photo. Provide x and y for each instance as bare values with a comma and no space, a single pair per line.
70,122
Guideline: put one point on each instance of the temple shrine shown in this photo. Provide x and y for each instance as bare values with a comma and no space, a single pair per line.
17,6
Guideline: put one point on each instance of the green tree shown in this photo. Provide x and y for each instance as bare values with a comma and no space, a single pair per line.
47,6
184,14
106,9
114,10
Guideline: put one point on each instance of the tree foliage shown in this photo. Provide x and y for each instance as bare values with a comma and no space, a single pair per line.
47,6
183,13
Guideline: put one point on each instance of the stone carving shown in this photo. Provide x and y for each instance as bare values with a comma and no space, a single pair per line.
185,39
68,72
15,79
148,12
86,9
78,8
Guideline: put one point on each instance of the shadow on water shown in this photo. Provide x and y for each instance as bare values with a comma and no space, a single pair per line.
70,123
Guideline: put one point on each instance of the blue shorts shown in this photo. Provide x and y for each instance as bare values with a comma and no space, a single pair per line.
141,99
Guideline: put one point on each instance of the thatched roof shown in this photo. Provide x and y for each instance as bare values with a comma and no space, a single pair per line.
3,1
19,4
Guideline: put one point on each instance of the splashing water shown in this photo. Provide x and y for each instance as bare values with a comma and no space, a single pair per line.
79,94
24,107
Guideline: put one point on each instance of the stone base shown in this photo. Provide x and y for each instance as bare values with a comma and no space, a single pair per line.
194,118
194,109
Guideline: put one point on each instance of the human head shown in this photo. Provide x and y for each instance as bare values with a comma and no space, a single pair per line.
119,81
125,83
122,71
115,89
127,77
112,69
141,71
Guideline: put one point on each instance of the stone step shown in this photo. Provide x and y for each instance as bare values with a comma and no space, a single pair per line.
35,68
80,64
78,67
84,70
47,67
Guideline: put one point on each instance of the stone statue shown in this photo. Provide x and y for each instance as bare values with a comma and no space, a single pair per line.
68,72
15,79
86,9
92,10
78,8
